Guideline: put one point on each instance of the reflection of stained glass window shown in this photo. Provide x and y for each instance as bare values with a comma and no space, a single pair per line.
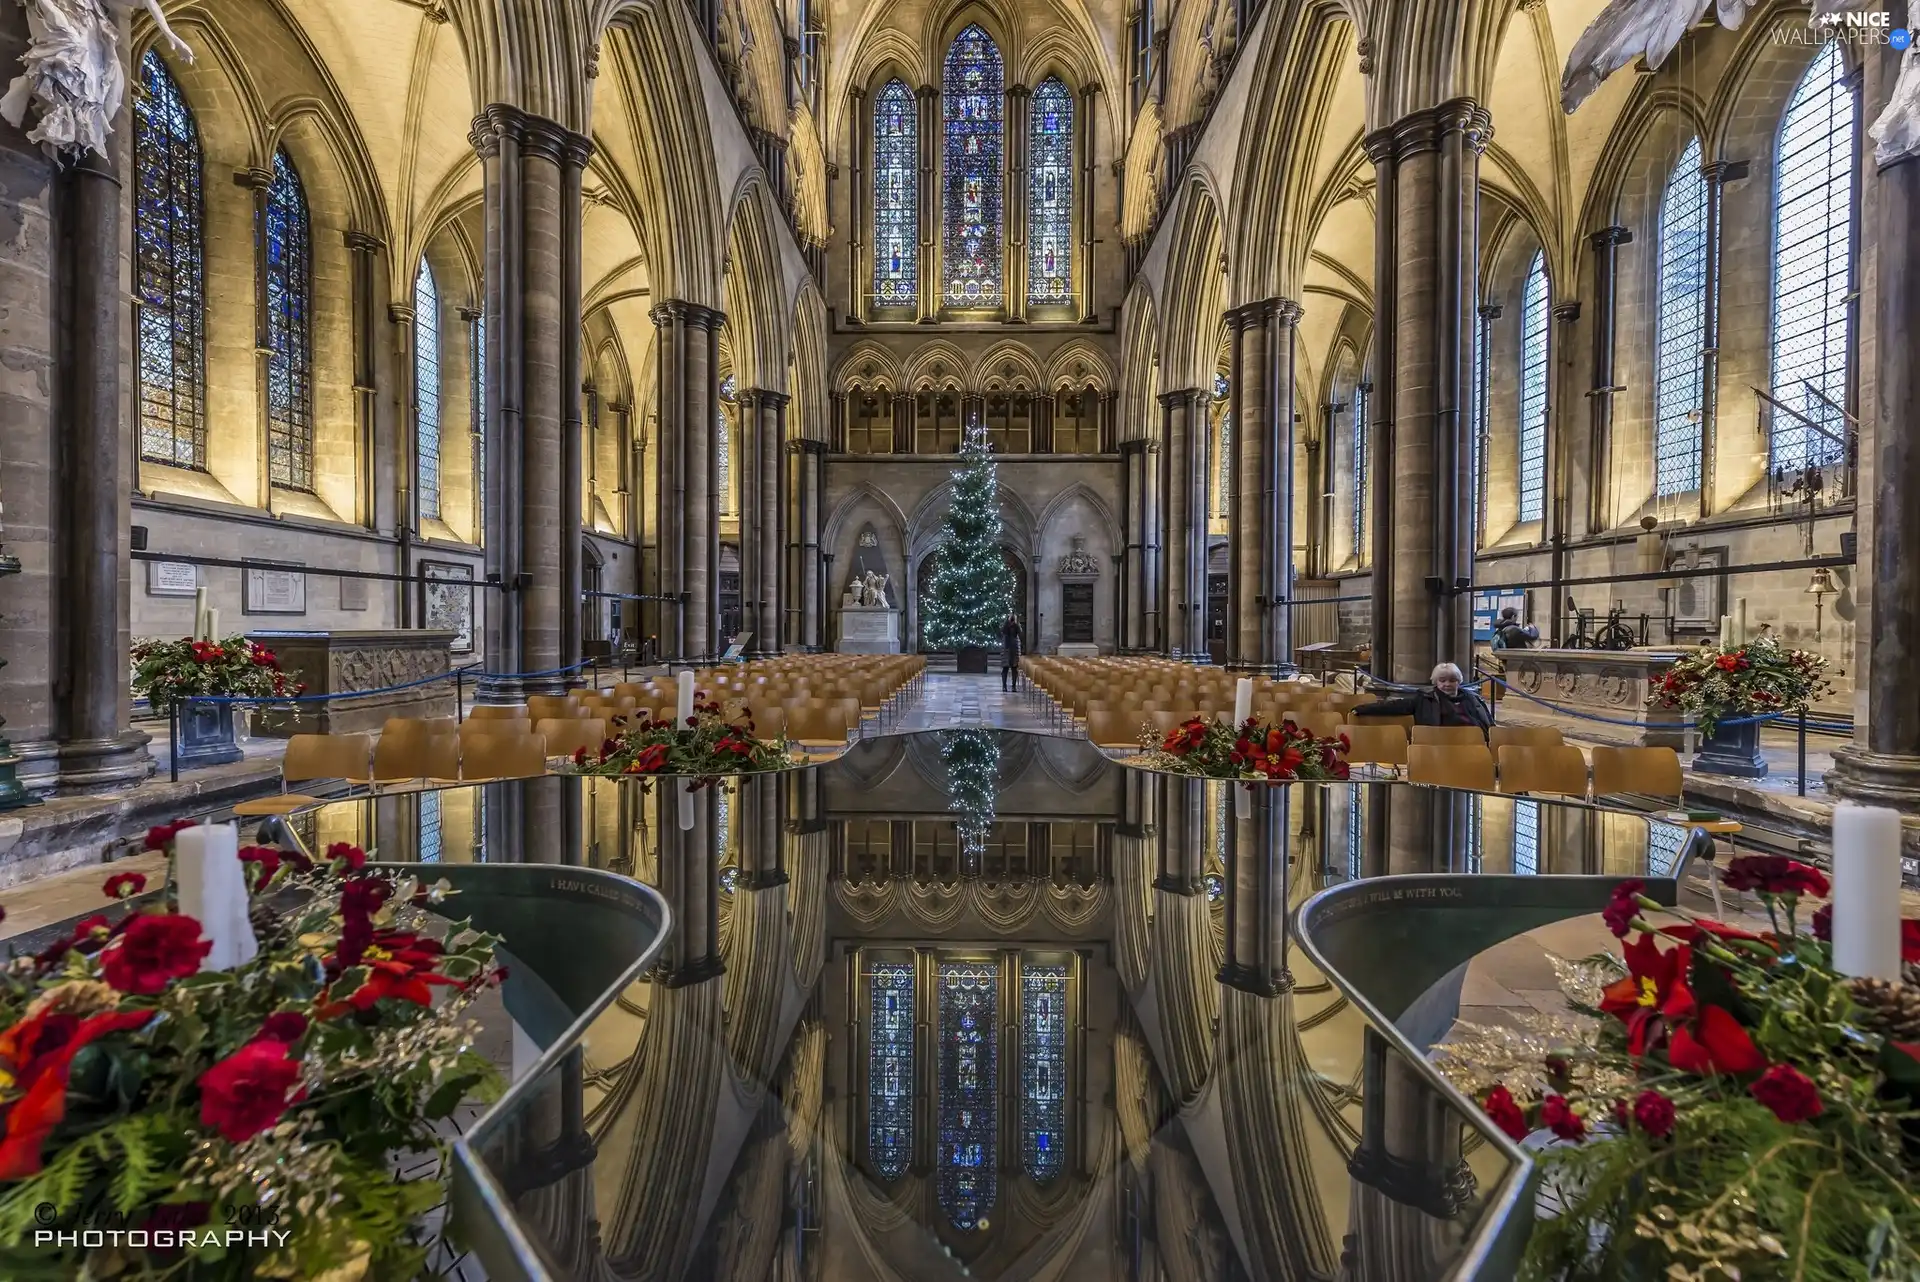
1526,836
890,1068
1677,383
289,329
429,827
972,90
1355,868
1474,846
1664,843
426,390
969,1090
722,821
1050,200
1043,1070
167,272
1533,391
896,196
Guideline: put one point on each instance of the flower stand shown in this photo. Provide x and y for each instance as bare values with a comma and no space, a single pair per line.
1732,749
203,734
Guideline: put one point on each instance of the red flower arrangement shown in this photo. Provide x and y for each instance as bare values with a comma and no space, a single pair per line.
1754,679
1256,751
167,672
715,741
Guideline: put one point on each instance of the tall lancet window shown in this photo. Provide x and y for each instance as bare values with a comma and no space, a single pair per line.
890,1068
1677,385
169,280
1360,391
973,91
896,196
969,1091
1043,1071
1534,315
426,391
1050,202
289,329
1812,262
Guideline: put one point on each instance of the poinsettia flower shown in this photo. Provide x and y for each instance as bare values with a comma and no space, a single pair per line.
1653,995
1714,1043
37,1054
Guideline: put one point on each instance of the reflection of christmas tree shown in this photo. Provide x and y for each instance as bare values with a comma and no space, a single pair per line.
973,776
972,590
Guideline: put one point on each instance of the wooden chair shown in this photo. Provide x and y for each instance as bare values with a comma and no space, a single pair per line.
497,712
560,706
495,726
1451,765
411,755
1526,768
315,756
565,735
509,756
1648,772
1322,722
1115,728
1524,736
1375,745
1449,734
418,727
817,726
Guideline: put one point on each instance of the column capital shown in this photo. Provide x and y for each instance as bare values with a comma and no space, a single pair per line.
360,242
1609,236
536,133
693,315
779,400
400,313
472,314
1567,313
1019,91
1492,311
253,179
1183,395
1724,171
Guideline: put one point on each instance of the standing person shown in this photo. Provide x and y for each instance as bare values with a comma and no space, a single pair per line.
1446,704
1508,634
1010,637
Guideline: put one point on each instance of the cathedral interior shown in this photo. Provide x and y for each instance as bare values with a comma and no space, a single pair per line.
508,336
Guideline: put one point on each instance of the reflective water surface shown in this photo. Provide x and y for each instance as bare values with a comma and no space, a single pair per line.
979,1004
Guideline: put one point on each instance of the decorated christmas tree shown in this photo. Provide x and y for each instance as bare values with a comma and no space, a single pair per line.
972,590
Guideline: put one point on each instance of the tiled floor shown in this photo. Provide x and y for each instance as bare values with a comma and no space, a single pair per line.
949,699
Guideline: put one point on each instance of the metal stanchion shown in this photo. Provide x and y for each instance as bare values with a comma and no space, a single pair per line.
1803,750
173,741
459,696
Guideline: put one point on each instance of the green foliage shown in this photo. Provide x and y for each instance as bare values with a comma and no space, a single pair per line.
972,590
973,778
722,741
169,671
1760,677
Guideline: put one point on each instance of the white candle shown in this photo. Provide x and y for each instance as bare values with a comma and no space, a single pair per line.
1726,632
686,700
1242,701
213,891
213,625
199,614
686,806
1866,891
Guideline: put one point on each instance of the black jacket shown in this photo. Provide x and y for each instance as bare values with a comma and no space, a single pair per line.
1431,708
1010,638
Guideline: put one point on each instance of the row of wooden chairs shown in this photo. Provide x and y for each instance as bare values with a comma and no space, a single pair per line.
405,755
1535,769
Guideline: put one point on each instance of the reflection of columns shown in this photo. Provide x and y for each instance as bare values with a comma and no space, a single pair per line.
757,805
688,504
1181,837
1260,575
811,460
1409,1176
1882,766
1014,209
1183,526
1257,890
928,194
1427,173
532,177
689,878
1606,268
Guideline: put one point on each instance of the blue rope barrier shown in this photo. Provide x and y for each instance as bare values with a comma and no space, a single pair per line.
1614,721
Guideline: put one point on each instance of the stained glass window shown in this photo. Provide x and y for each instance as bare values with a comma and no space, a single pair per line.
1050,195
723,457
1223,475
1533,391
1475,847
969,1091
167,228
429,827
1812,262
1359,470
1043,1070
1677,381
890,1068
1355,847
896,197
289,329
426,390
972,92
1481,421
479,424
1526,836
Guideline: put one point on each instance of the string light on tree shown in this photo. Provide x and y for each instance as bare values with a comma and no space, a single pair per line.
972,590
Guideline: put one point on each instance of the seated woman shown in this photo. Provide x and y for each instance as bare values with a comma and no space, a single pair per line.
1446,704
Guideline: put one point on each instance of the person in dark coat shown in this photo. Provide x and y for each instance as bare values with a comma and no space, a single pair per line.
1010,638
1448,703
1509,634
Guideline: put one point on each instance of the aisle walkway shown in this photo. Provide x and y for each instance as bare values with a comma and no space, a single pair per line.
949,699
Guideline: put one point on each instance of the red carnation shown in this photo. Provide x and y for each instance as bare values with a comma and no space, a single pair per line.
265,858
580,755
283,1026
1774,875
355,858
649,760
1789,1093
1726,663
1558,1116
1623,906
124,885
156,949
1505,1113
162,835
1653,1113
246,1092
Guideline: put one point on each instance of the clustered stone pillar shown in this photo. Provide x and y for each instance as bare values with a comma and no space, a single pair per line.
689,879
1183,524
1256,860
1606,293
927,97
1260,513
1181,836
811,460
689,500
1427,174
532,169
763,417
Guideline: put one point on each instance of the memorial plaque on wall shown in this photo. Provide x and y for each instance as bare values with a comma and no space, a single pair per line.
1076,613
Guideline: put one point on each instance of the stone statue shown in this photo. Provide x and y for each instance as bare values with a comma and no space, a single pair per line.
73,71
874,588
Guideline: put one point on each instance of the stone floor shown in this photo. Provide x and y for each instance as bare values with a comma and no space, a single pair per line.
949,699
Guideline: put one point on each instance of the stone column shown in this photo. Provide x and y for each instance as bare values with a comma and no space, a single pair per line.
812,458
927,191
769,450
1882,765
1606,301
364,256
757,807
1083,124
1181,835
1183,526
1558,526
532,172
903,422
689,879
1426,170
688,347
1256,960
1014,206
859,260
1153,551
1260,513
260,182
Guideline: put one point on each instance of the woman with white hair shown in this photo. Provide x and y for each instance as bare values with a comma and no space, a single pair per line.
1447,703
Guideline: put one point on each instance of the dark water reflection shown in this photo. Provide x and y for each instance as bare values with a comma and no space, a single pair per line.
991,1006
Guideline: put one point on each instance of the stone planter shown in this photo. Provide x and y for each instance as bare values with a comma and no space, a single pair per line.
972,658
203,734
1732,750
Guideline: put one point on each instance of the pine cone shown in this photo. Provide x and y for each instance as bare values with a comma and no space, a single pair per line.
1888,1008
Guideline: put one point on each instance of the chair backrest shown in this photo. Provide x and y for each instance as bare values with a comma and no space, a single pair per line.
1650,772
1323,722
1530,768
542,706
497,712
1449,734
817,723
417,756
1527,736
513,756
417,727
1380,745
1451,765
495,726
328,756
1115,728
565,735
